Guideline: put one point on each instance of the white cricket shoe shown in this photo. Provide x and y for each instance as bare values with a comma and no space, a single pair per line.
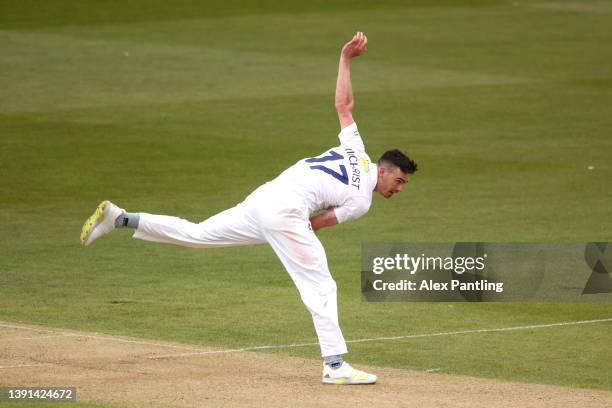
346,374
101,222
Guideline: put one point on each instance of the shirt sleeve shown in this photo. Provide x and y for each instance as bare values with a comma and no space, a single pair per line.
352,209
349,136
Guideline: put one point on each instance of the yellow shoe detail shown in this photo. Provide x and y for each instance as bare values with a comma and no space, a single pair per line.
96,218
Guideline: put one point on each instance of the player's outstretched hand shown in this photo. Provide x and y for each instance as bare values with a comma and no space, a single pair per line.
357,46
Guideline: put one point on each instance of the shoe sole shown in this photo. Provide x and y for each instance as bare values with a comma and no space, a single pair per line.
96,218
344,381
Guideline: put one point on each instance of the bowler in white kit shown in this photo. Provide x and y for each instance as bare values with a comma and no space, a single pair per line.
334,187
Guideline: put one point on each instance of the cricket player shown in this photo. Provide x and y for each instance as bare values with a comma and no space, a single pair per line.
331,188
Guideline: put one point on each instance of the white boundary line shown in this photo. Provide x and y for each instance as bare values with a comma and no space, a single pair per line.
411,336
199,351
94,336
143,342
13,326
50,336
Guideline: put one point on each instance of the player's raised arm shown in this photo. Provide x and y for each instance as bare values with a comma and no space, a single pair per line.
344,91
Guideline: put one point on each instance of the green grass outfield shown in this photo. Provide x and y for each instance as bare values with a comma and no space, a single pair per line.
177,108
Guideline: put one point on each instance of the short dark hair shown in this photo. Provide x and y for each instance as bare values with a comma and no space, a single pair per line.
399,159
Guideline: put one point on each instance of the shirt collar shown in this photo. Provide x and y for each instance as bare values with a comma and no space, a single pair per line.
373,173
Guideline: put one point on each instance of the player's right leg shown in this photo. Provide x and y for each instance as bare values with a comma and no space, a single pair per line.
229,228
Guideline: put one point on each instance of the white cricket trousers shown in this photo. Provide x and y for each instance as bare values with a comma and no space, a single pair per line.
280,220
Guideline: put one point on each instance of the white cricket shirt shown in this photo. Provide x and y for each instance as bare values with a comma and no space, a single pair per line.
341,178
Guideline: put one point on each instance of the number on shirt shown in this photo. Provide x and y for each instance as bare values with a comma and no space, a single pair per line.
332,156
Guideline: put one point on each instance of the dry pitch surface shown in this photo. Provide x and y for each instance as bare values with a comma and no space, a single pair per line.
129,372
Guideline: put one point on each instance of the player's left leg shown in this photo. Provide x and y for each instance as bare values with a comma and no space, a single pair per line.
303,256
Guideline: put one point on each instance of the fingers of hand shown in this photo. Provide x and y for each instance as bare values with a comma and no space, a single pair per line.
361,41
358,44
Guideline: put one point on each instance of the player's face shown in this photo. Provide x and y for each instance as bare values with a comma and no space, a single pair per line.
390,181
